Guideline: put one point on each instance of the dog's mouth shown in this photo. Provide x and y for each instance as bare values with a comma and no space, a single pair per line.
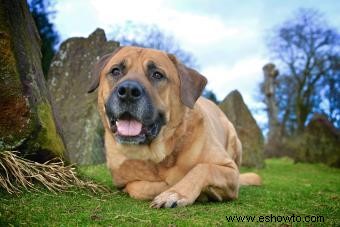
130,130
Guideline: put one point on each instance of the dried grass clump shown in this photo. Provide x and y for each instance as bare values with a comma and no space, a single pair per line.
17,173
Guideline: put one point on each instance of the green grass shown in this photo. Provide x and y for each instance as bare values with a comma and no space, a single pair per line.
289,189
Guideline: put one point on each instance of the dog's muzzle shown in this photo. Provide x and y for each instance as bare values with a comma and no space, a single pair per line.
133,117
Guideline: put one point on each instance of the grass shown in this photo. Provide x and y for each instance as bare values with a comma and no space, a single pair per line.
289,189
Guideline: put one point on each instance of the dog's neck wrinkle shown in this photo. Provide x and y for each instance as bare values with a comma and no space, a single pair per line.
178,123
177,129
181,131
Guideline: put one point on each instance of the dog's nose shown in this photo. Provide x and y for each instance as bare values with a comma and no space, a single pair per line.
129,90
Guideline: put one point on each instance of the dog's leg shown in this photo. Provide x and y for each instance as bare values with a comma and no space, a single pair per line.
223,179
145,190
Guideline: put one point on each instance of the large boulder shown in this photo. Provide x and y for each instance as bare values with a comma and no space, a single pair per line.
27,122
320,142
247,129
68,81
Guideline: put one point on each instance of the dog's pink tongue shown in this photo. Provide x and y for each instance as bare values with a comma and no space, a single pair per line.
129,127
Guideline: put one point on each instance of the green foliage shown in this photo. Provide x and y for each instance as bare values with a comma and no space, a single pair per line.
299,189
41,12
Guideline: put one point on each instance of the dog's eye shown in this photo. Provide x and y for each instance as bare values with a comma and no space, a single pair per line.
157,75
116,72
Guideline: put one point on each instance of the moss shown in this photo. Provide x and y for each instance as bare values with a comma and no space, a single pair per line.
3,19
319,142
48,137
316,148
15,115
26,119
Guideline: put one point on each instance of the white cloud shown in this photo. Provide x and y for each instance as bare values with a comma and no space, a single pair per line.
115,12
190,29
197,30
244,76
75,18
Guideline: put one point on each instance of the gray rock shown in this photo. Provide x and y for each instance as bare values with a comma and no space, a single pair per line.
68,80
247,129
27,122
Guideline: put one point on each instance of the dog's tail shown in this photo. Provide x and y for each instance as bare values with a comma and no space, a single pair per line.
250,179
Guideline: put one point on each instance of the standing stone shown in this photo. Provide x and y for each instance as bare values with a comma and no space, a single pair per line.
69,79
27,122
320,142
247,129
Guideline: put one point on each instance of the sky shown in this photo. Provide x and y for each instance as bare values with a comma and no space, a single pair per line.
226,37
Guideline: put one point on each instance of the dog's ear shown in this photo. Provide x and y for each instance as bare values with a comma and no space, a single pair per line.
192,83
98,68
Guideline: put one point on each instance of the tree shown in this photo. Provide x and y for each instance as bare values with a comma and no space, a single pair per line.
209,94
308,52
151,36
331,84
41,12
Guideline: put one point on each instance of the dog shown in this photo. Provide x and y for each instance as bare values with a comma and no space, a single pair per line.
164,143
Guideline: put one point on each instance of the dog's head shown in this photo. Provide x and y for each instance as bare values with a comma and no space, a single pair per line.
141,90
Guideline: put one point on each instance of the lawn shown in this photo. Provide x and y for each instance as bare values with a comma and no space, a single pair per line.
296,191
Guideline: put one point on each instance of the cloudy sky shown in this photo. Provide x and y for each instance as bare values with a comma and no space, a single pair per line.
226,37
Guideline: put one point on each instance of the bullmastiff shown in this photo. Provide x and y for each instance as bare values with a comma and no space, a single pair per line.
163,141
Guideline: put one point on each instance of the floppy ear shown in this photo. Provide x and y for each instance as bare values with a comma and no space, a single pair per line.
98,68
192,83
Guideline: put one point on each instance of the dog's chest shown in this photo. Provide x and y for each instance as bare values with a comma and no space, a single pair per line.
132,170
141,170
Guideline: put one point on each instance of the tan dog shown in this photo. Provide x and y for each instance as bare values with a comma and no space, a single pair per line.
163,142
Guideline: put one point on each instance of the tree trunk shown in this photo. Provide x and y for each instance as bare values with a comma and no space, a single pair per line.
274,135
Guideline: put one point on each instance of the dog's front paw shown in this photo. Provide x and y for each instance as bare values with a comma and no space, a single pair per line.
170,199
